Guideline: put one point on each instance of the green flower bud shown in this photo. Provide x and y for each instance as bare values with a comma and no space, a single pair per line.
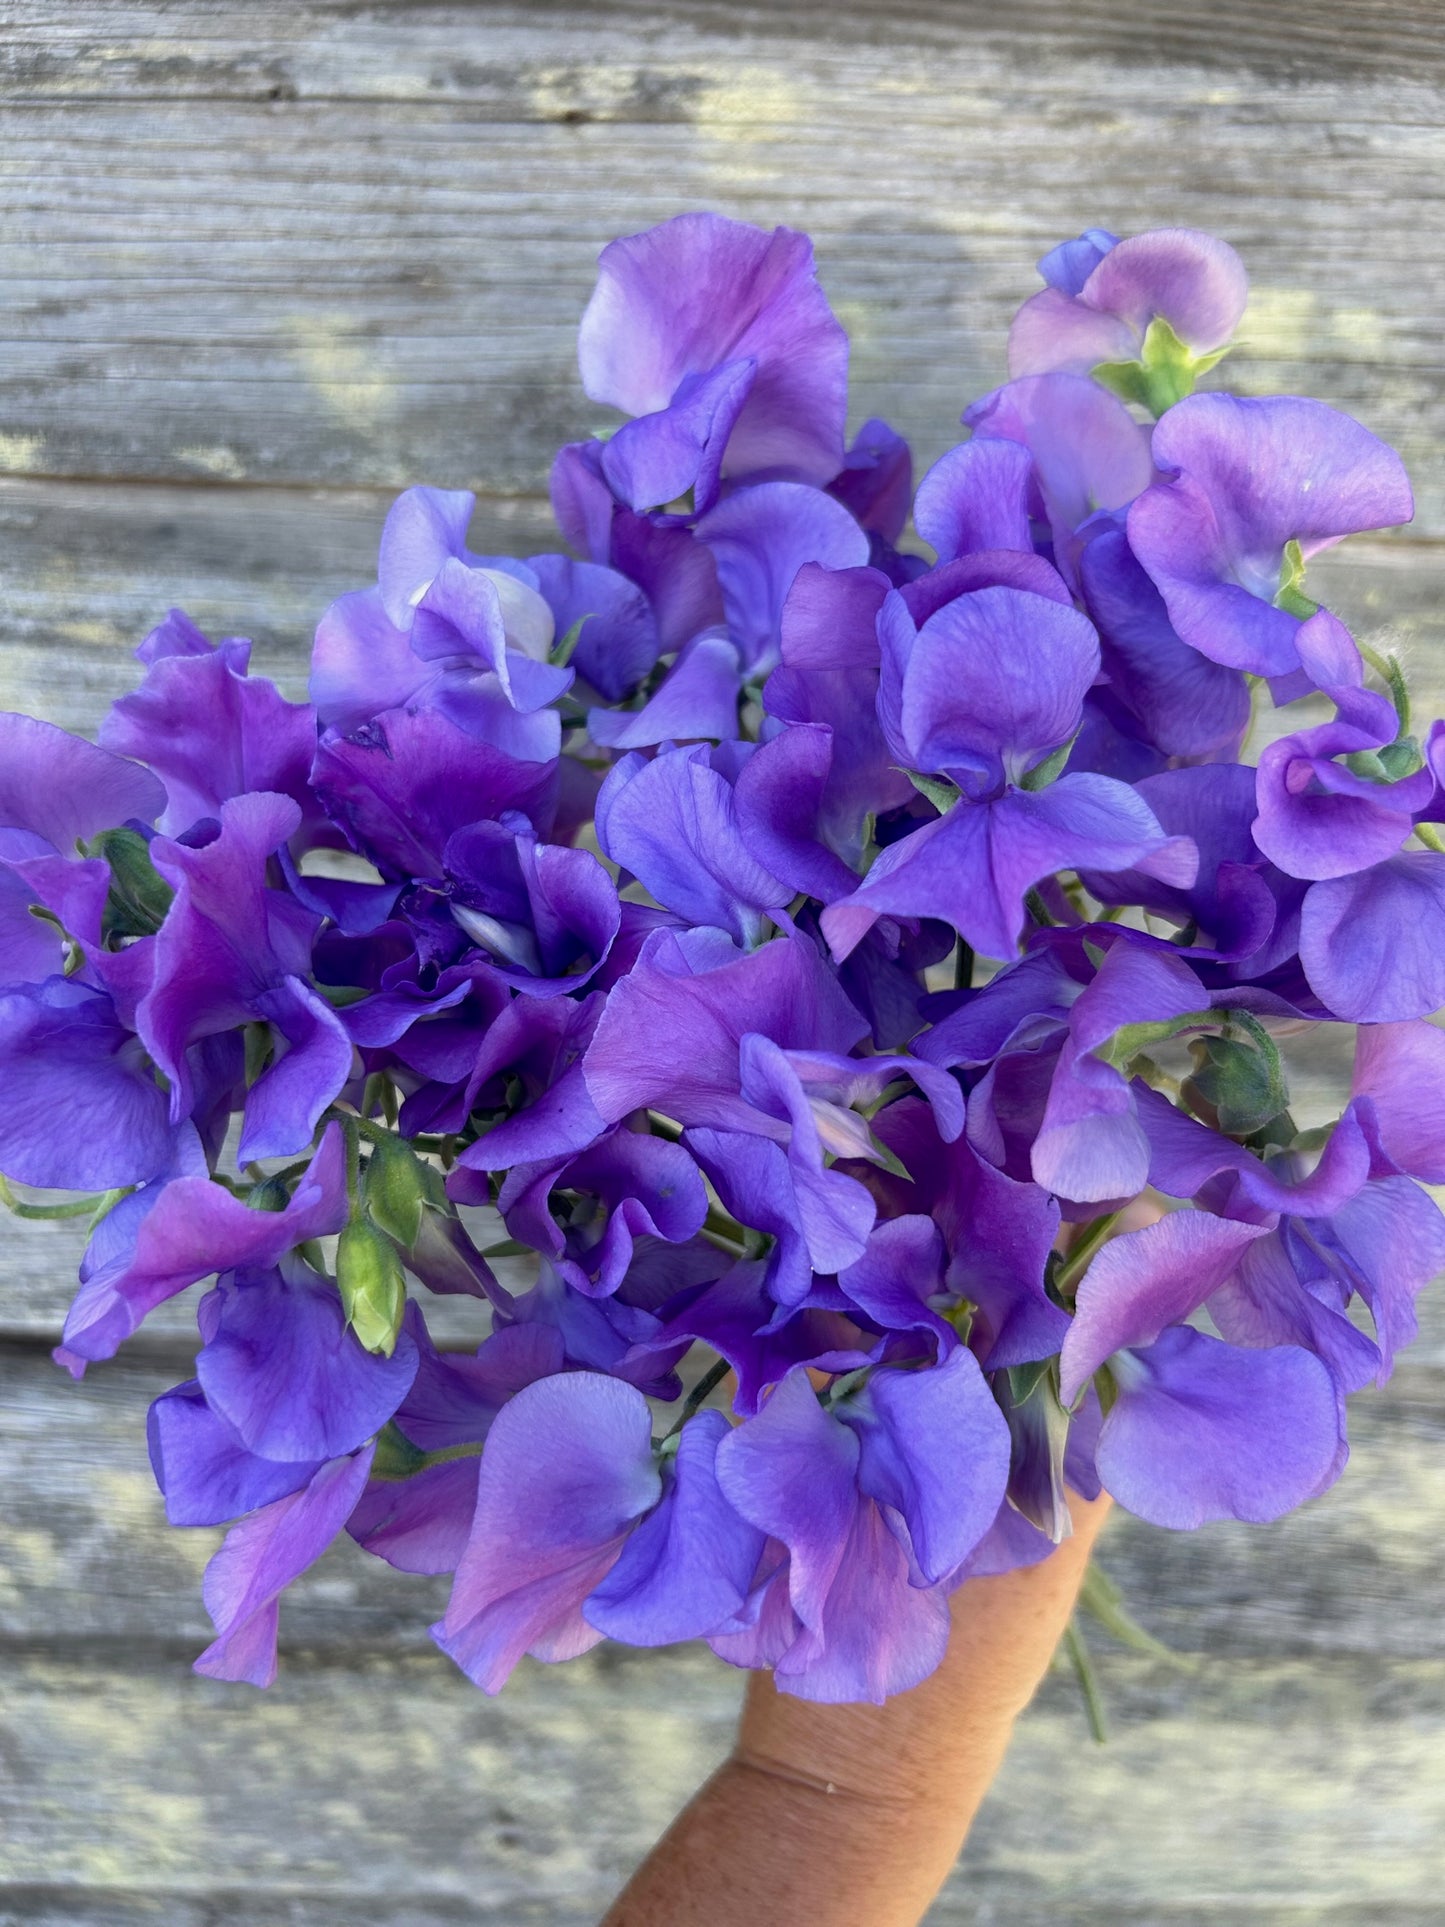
396,1186
373,1289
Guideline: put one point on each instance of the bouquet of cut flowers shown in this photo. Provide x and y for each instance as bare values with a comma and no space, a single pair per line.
757,967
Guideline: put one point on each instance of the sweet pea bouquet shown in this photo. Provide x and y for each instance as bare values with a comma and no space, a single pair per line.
756,967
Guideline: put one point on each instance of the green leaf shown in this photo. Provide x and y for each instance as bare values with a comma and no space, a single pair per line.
1102,1600
1165,371
373,1289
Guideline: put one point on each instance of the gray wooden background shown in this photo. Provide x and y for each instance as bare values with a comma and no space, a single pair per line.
263,265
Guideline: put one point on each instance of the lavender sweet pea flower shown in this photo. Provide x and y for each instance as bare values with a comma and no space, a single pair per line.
673,823
234,951
210,731
82,1110
876,1503
698,697
157,1243
718,338
1091,1146
57,792
567,1472
1192,281
284,1369
976,498
1088,451
760,538
983,693
1245,480
1184,703
261,1557
1199,1430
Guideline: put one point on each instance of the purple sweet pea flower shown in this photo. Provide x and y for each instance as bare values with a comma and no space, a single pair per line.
210,731
205,1472
673,823
875,483
57,792
760,538
567,1472
828,676
165,1238
82,1110
629,1186
261,1557
717,337
876,1503
1068,265
1199,1430
1088,451
234,951
618,640
547,914
1244,479
1190,280
1183,703
983,693
284,1369
402,783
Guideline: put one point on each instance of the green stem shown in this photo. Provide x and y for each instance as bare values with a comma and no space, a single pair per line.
1083,1665
709,1382
1076,1260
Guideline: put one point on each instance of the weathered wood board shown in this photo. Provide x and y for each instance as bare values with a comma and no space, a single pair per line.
261,267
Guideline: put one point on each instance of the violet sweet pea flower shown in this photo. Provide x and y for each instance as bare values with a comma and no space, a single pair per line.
209,730
877,1502
717,339
1088,453
57,792
159,1241
233,951
263,1555
1248,486
1199,1429
568,1473
983,693
1192,282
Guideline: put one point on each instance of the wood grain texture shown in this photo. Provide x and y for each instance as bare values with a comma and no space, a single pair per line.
261,267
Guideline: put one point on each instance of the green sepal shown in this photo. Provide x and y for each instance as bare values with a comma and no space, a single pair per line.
1046,772
940,793
396,1458
562,651
1164,372
260,1046
340,996
271,1194
1290,596
373,1288
1131,1039
396,1186
139,897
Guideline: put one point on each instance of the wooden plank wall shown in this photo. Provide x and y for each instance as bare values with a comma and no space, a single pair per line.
262,266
